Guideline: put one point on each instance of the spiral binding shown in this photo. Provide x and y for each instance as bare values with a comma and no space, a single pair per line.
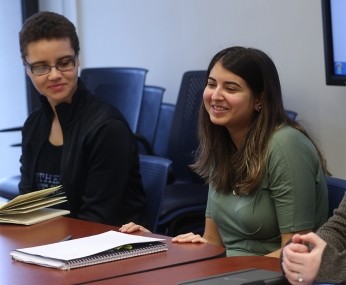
114,255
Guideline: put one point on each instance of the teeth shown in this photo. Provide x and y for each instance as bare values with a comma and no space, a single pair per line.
218,108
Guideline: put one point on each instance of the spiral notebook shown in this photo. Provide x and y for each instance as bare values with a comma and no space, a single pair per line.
105,247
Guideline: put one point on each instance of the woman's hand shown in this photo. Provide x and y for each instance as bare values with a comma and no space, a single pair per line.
132,227
301,265
190,237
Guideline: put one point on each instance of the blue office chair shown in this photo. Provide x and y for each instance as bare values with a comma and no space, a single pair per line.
148,118
9,187
184,203
154,171
122,87
164,125
336,192
183,139
291,114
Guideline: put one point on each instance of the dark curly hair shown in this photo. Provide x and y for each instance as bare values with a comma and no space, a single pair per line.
47,25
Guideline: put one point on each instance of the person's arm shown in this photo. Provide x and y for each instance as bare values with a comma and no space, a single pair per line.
293,169
211,232
326,263
333,232
333,266
35,130
211,235
106,194
284,240
24,184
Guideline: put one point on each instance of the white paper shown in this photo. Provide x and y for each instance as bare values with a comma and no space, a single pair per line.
87,246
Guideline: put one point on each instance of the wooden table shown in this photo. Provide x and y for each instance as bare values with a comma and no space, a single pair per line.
182,273
14,236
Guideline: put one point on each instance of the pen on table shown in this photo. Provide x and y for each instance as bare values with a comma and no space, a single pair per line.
69,237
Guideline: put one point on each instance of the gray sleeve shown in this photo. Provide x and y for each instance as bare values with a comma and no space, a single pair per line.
333,266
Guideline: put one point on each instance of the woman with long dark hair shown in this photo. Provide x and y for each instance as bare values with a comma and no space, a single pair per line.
266,176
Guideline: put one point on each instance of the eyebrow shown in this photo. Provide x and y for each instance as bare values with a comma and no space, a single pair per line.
45,63
232,83
226,82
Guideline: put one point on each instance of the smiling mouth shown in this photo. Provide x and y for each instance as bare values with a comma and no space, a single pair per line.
219,108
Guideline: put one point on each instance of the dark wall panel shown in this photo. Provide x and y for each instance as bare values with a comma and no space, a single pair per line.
30,7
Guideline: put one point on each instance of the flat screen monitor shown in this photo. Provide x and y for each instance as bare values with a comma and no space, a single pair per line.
334,36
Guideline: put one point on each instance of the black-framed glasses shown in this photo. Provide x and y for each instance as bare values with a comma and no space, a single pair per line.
64,64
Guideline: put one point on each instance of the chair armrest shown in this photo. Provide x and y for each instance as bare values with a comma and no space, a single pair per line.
143,141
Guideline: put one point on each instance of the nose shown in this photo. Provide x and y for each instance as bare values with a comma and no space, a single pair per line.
54,73
217,94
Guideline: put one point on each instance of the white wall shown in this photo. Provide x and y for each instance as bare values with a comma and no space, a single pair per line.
172,36
169,37
13,107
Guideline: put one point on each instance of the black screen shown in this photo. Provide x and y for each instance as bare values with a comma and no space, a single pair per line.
334,36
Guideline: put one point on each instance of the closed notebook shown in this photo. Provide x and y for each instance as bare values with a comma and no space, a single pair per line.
32,208
105,247
33,217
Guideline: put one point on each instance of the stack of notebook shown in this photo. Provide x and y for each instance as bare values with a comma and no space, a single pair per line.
32,208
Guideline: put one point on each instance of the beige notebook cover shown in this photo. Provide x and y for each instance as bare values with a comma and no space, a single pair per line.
31,208
34,217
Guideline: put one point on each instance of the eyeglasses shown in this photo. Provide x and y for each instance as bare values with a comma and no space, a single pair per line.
62,65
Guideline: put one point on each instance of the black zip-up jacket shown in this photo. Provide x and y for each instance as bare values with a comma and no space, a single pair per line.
99,163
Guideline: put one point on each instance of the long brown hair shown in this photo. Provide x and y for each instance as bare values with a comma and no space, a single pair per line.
218,160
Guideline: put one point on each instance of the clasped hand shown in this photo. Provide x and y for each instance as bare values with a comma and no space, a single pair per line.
183,238
301,264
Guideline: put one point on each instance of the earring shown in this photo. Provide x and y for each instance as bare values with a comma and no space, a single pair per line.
259,108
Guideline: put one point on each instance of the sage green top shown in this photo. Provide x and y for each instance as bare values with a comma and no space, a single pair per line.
292,197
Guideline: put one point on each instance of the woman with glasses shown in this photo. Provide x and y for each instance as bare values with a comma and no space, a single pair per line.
73,139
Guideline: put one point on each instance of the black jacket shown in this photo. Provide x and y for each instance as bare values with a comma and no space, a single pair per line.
99,164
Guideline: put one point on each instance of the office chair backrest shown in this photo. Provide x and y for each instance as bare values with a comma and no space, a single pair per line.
154,171
183,136
150,111
186,195
336,191
291,114
163,129
9,187
120,86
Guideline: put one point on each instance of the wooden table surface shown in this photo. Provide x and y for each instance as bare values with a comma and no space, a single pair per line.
15,272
